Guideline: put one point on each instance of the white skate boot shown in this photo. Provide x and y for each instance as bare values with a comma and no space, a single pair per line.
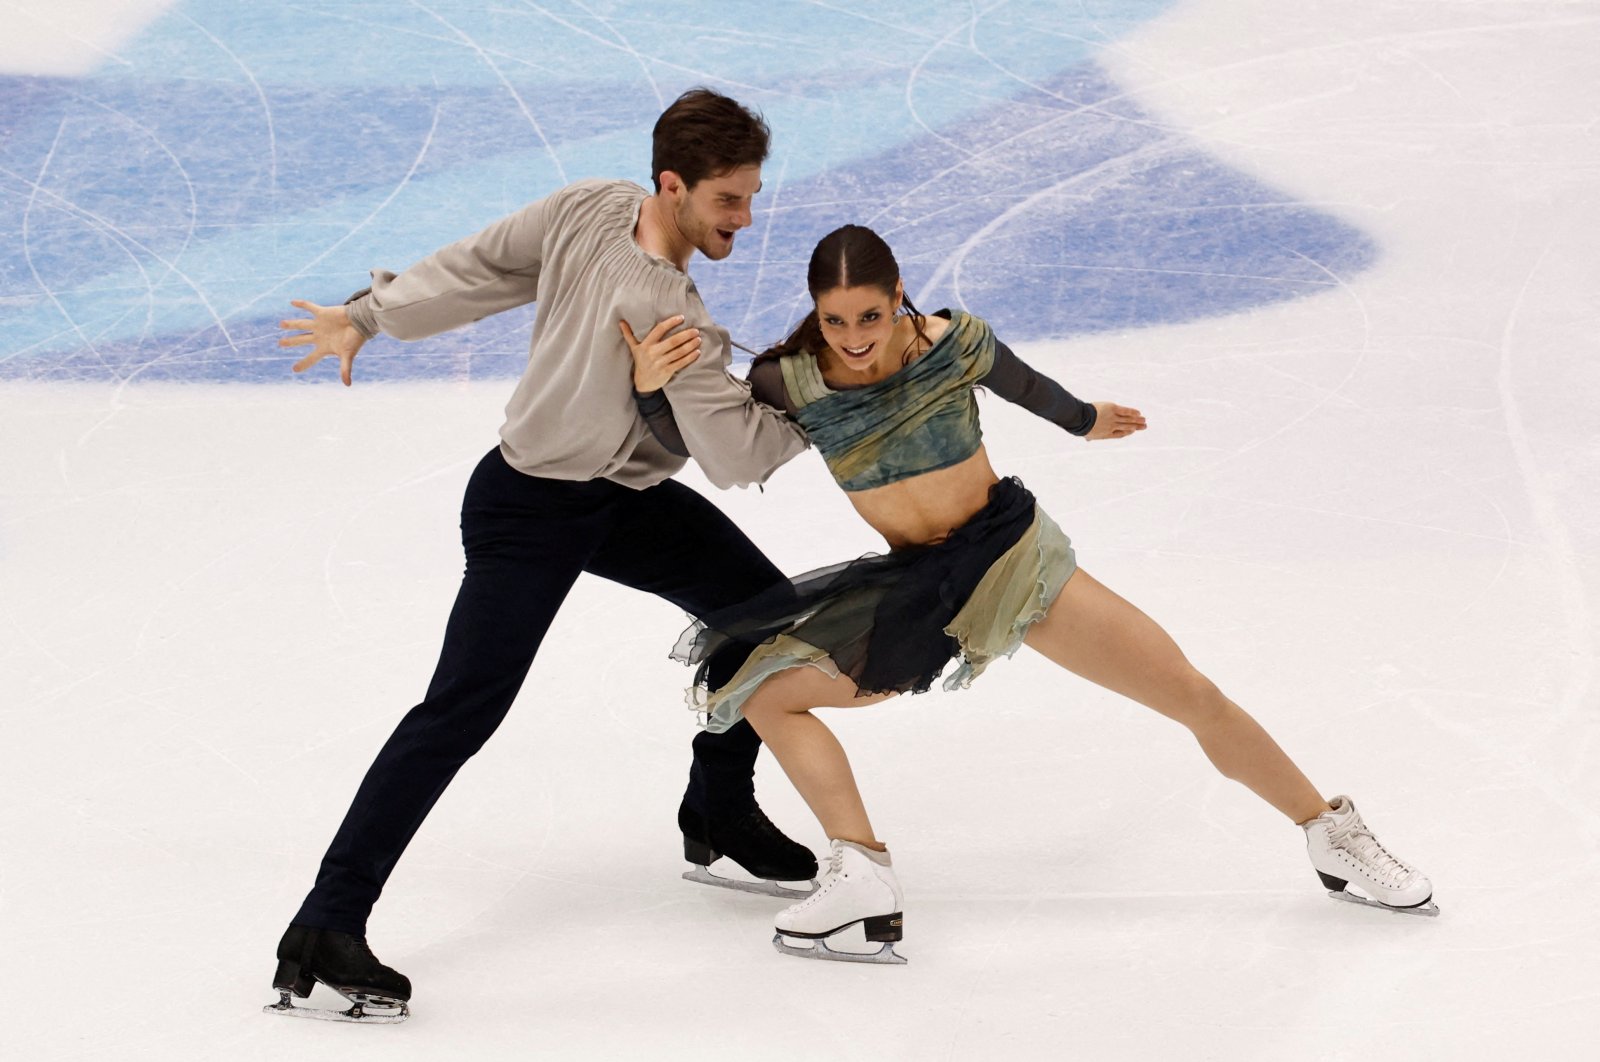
858,886
1345,853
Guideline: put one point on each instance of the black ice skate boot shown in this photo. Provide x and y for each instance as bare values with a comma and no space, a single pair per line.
719,817
345,964
751,840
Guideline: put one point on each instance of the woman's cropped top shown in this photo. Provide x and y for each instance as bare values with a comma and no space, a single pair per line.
919,419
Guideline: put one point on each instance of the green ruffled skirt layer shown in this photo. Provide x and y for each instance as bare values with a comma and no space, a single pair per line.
892,623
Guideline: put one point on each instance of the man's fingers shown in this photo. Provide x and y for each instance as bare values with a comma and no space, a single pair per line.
306,362
345,362
627,334
299,340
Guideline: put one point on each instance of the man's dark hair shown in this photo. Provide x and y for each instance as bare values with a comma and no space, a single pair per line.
706,134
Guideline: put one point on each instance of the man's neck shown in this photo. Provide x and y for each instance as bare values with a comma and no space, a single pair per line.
658,234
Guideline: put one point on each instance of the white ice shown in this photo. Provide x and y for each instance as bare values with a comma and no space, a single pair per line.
1370,515
66,37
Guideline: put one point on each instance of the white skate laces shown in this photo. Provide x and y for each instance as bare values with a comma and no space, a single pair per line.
858,887
1345,852
825,884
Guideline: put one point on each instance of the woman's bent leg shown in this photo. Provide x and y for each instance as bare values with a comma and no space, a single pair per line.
810,755
1092,632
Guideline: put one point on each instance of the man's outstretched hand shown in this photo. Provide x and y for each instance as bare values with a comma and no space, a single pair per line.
329,332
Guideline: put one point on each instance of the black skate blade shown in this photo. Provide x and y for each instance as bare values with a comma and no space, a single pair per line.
703,876
1425,909
386,1012
818,949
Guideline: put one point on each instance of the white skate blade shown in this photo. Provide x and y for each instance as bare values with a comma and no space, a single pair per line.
884,956
1429,909
388,1012
702,875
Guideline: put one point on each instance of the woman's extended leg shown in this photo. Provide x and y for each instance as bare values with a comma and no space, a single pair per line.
1094,633
780,711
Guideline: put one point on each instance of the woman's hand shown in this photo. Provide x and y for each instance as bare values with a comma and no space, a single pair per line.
658,356
1112,421
331,333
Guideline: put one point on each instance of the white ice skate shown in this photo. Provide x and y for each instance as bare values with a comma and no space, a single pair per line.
859,886
1345,853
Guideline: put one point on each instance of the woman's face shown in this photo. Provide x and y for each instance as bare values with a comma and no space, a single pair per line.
858,324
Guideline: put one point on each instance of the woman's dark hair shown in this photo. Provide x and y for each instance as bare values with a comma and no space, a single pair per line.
851,256
706,134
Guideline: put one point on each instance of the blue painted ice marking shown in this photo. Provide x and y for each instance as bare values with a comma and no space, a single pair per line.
157,218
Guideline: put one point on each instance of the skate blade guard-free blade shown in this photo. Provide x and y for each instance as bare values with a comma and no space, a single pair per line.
1340,890
702,875
385,1011
1425,909
884,930
818,949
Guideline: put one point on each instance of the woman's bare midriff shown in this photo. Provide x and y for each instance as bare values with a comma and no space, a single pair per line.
924,509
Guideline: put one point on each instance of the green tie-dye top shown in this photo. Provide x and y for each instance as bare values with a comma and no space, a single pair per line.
920,419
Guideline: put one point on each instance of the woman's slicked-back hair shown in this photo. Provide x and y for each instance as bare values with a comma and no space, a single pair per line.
851,256
706,134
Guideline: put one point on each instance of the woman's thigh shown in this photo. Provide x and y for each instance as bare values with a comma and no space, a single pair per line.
1094,633
800,689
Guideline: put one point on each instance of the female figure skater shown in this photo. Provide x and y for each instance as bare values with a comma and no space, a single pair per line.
975,569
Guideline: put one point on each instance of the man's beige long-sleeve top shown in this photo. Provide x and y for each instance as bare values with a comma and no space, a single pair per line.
572,415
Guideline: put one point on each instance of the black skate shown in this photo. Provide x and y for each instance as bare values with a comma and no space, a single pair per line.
752,841
344,963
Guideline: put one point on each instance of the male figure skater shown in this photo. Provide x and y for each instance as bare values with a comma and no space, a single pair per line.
577,484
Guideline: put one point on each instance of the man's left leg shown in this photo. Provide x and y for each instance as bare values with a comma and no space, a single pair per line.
672,542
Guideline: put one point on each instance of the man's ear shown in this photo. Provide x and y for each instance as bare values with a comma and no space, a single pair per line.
672,185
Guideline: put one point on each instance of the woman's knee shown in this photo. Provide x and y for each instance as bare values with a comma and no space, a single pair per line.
1197,702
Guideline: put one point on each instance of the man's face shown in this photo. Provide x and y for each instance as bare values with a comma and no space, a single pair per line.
712,211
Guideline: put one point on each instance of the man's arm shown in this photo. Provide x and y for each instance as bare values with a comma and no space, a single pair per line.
485,273
735,440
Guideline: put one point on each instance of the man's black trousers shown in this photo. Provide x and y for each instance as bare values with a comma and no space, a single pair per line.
527,539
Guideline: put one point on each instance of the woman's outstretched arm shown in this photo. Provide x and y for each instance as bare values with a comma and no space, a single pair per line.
1015,381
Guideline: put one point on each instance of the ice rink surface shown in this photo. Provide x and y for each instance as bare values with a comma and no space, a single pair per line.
1341,255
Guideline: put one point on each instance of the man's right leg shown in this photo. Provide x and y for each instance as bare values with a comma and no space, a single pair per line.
526,540
671,541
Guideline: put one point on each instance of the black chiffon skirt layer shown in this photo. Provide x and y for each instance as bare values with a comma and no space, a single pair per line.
881,618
